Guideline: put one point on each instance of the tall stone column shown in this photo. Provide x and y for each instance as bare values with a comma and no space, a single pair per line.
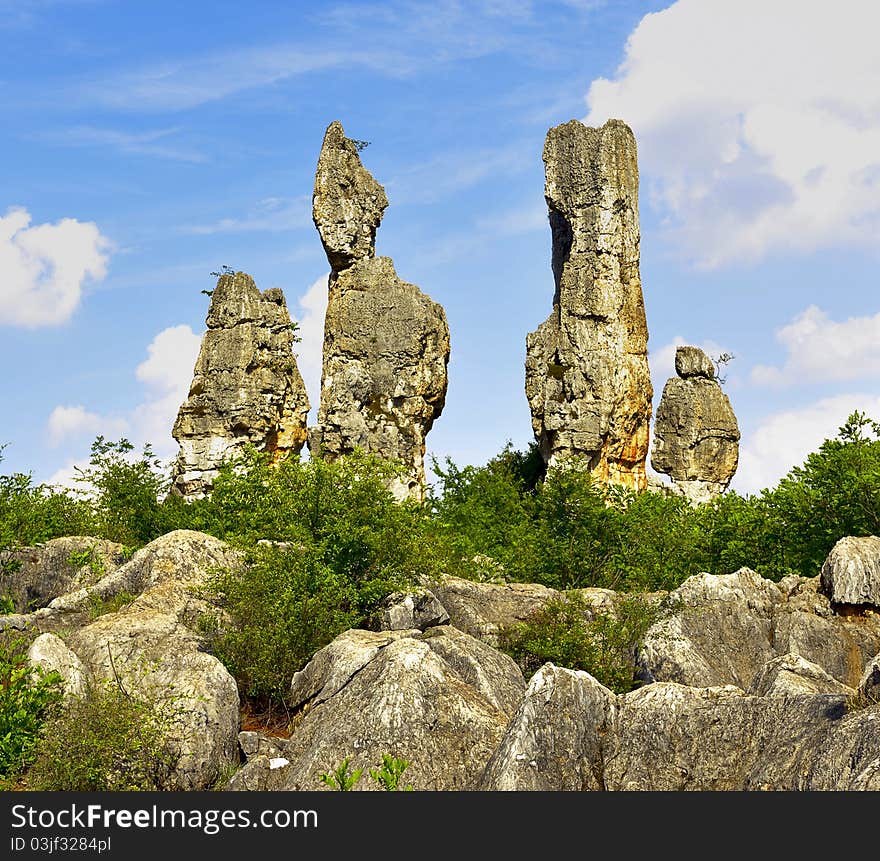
587,377
386,344
246,386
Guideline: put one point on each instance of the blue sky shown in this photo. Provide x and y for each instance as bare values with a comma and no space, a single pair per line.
145,145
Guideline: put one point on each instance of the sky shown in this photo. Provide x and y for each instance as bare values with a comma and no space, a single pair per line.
146,145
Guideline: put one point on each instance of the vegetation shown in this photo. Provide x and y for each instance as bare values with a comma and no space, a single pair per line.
388,776
108,740
27,699
325,543
567,632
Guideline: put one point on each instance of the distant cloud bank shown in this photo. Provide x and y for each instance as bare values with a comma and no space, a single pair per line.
758,124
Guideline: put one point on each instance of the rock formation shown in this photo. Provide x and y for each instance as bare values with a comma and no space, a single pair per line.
587,378
386,344
246,386
696,437
851,572
151,646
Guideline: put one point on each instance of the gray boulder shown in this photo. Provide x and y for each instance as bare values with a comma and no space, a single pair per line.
851,573
726,628
42,573
555,739
428,698
51,654
405,611
869,684
792,675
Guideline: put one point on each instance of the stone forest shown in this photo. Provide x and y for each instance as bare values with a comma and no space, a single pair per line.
560,619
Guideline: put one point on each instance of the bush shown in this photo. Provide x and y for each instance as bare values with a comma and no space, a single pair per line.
126,493
109,740
567,633
339,544
27,698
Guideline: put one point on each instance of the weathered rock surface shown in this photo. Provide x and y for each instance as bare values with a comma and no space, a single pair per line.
851,573
587,378
792,675
418,609
555,739
386,344
726,628
348,203
432,699
869,684
673,737
60,565
151,645
51,654
246,386
696,435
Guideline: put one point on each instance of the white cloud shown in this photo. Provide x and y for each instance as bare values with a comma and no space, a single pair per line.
783,440
148,143
66,421
758,123
821,349
166,373
44,267
310,350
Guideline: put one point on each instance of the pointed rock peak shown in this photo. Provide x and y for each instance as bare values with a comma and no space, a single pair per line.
347,204
693,362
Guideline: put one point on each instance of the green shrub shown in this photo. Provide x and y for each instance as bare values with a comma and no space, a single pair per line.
391,773
27,698
341,779
109,740
566,632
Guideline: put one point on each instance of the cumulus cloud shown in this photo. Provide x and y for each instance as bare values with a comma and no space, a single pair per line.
310,350
758,123
166,374
67,421
44,267
784,439
820,349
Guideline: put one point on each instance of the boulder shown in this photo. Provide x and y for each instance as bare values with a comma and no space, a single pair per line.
791,675
39,574
51,654
386,344
426,698
555,739
696,435
869,684
851,572
405,611
151,646
587,379
726,628
246,386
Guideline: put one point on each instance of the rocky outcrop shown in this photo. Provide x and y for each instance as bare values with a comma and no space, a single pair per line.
386,344
696,436
572,733
792,675
851,573
554,741
440,700
726,628
587,378
246,386
150,646
405,611
39,574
